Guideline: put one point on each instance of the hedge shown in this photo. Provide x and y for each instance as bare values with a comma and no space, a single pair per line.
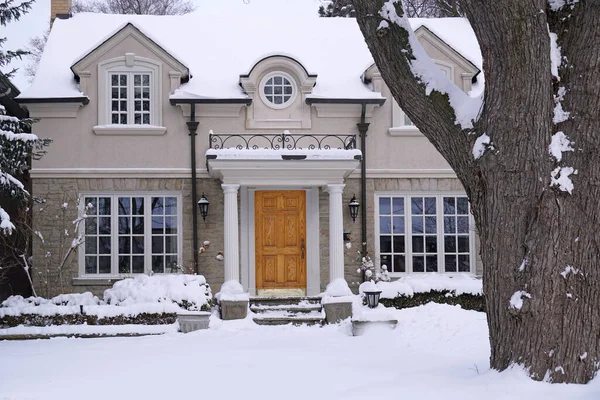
80,319
466,301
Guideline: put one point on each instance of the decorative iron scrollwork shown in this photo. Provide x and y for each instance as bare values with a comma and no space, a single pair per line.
278,141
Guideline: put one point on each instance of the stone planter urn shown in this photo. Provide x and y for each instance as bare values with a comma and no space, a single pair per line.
337,311
233,309
190,321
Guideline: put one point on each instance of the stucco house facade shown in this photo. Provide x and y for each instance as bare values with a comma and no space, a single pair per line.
277,123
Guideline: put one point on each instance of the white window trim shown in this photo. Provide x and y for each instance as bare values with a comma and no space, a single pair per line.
440,232
263,97
114,231
129,64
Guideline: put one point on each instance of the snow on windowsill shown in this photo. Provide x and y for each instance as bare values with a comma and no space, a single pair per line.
270,154
405,131
130,130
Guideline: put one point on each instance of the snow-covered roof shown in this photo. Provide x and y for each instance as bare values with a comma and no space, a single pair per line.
218,50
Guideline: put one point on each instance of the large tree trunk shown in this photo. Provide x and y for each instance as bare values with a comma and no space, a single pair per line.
539,243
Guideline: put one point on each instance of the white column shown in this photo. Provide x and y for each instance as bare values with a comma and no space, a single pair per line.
231,239
336,232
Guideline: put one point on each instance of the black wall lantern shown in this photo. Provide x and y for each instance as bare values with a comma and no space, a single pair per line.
372,298
203,206
354,205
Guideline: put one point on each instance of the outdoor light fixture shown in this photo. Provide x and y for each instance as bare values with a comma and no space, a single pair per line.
354,204
203,206
373,298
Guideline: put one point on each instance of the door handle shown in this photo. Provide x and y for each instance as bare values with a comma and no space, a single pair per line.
302,247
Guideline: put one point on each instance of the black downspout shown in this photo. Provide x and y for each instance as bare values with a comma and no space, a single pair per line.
192,127
363,127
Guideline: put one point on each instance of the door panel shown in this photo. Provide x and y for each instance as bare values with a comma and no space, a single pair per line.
280,237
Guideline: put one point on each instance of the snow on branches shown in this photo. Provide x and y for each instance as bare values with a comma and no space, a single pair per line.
16,147
466,108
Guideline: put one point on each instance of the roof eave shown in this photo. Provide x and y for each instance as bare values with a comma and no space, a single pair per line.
323,100
33,100
243,101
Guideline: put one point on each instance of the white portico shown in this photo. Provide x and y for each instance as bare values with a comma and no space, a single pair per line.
277,233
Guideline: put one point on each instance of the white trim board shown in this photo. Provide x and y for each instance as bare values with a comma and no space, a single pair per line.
117,173
373,173
203,174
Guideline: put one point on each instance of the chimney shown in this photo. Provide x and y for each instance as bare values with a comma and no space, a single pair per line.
60,9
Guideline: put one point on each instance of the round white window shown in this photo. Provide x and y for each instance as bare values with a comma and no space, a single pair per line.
278,90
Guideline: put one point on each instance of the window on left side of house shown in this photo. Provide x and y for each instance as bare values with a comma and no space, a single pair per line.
130,98
131,234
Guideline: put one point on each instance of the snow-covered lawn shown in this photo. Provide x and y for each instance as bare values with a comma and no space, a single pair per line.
436,352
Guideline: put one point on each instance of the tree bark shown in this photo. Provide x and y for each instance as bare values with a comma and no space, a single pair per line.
538,243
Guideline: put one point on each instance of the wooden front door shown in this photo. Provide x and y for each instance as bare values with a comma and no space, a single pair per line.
280,239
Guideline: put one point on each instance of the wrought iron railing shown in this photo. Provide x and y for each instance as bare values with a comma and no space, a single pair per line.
278,141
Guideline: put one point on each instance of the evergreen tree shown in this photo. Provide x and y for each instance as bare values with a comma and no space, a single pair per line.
17,146
337,8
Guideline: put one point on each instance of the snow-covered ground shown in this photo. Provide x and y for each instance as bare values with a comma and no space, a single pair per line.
436,352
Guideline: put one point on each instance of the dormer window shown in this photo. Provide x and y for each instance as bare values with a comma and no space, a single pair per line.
278,90
130,99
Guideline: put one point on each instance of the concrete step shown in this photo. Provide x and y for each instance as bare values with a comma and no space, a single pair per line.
290,308
287,310
285,320
278,301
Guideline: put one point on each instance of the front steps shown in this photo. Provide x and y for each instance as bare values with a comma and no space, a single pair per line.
287,310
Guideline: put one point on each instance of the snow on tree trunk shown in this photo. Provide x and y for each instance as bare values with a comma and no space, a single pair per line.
536,213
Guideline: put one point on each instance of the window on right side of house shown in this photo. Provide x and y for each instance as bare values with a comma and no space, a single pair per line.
424,233
405,121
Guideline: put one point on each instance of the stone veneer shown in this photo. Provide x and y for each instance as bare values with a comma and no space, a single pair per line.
49,217
58,191
373,185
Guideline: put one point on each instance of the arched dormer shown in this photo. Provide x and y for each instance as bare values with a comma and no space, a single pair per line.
278,86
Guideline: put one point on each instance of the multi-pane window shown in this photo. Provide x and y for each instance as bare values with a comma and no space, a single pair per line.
141,99
424,233
98,235
456,234
118,99
391,233
131,234
164,233
278,90
130,101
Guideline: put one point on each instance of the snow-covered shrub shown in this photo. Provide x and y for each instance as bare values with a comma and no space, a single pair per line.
141,300
412,291
190,292
71,299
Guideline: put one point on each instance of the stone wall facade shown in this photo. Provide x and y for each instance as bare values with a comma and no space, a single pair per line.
51,219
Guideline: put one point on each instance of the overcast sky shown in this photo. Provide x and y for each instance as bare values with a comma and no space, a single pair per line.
38,19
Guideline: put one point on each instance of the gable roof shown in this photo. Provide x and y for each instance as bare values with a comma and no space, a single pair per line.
129,30
218,50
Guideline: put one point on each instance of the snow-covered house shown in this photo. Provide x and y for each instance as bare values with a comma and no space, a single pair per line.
278,120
